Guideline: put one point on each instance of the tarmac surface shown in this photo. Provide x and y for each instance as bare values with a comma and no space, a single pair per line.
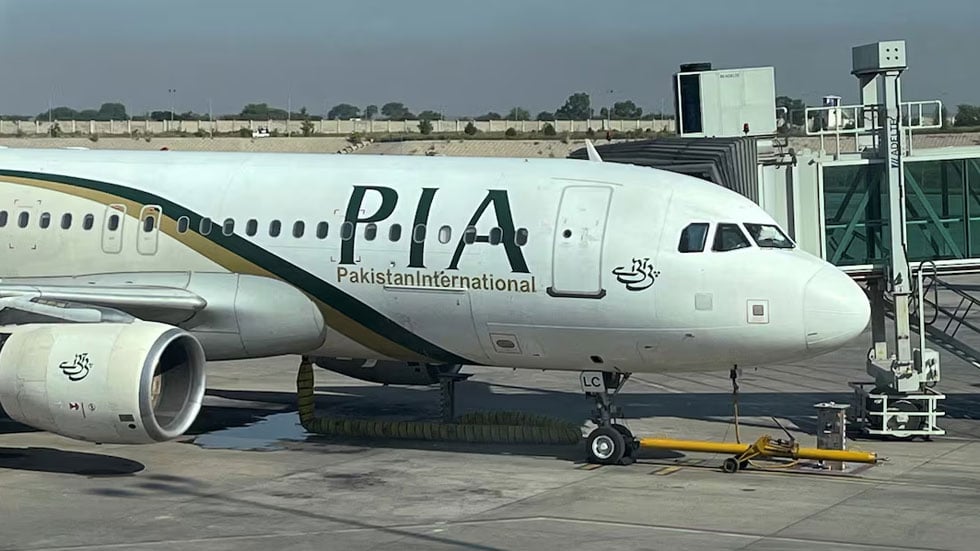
247,476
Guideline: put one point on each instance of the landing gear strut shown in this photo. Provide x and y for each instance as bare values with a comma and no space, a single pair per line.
610,443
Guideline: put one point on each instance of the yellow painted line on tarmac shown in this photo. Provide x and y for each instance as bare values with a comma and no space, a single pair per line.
666,470
589,467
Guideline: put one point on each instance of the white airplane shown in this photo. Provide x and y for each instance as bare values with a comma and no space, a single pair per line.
123,271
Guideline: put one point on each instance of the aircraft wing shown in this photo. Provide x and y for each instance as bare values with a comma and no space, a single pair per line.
150,303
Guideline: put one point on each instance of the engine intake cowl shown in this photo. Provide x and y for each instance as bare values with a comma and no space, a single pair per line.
123,383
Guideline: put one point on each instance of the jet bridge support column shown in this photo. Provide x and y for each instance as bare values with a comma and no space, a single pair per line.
901,402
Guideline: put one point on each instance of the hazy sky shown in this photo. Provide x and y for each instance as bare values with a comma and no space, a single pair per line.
458,56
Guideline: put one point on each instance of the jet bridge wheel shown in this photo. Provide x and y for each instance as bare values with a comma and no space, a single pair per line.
606,446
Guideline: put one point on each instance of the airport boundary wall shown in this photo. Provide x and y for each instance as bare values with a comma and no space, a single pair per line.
324,127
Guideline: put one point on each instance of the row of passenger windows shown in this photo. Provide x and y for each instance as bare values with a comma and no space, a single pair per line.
371,230
321,230
67,219
729,237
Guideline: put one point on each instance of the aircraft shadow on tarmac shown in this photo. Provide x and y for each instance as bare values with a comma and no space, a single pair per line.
50,460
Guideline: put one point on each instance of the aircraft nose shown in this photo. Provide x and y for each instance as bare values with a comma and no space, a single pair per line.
835,310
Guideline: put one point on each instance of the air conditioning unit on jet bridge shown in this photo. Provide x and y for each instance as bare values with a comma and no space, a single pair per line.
724,103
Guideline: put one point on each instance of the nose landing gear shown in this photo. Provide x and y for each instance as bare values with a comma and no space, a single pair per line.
610,443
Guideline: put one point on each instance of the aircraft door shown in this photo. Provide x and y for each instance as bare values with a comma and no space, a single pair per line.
149,231
112,228
576,269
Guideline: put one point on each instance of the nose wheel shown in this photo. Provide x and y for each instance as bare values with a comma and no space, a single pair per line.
610,443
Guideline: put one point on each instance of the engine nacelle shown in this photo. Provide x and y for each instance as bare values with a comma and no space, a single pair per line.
388,372
122,383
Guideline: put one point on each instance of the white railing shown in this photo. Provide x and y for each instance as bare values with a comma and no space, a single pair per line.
857,120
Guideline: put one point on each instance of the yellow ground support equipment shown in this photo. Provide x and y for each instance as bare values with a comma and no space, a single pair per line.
764,448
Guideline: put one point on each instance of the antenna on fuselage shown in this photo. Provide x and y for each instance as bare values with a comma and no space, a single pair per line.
593,154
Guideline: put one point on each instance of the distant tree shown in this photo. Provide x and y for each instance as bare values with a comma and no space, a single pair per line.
428,115
626,110
967,115
87,115
511,132
470,129
519,114
113,112
545,116
59,113
307,127
604,113
578,106
425,126
262,111
160,116
548,130
396,111
491,116
370,111
344,111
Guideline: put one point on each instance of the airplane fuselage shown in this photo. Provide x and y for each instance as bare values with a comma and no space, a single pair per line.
551,264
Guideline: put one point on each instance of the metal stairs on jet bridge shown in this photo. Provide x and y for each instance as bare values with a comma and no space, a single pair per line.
949,307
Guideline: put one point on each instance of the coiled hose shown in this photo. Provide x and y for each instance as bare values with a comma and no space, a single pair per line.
479,427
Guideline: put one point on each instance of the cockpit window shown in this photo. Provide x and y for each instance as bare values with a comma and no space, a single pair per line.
693,238
729,237
769,236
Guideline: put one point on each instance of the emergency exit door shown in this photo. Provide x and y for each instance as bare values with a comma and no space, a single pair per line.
576,269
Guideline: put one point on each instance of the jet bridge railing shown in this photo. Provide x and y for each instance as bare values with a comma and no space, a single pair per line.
948,314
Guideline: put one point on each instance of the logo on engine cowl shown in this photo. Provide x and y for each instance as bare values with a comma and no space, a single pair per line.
77,369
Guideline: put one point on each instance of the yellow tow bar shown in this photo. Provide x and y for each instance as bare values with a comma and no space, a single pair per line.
763,448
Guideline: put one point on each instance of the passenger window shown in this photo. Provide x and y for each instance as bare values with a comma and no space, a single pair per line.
321,230
149,224
88,222
251,227
370,231
346,231
693,238
205,226
418,234
23,219
227,228
395,233
275,228
445,234
3,218
45,220
66,221
113,224
299,228
469,235
496,236
183,224
729,237
769,236
520,238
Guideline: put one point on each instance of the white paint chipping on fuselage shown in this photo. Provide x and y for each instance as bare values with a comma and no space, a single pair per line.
655,329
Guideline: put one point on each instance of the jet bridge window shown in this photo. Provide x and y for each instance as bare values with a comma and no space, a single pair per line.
693,238
45,220
275,228
769,236
3,218
729,237
88,222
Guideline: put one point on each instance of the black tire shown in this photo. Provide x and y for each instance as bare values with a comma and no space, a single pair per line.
632,445
730,465
606,446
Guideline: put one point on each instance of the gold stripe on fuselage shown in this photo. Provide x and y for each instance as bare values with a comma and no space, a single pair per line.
233,263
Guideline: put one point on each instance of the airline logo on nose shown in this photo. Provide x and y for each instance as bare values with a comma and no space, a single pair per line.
638,276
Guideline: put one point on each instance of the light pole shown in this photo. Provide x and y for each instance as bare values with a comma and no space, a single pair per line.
173,105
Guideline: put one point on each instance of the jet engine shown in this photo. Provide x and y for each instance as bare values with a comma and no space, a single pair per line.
388,372
123,383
